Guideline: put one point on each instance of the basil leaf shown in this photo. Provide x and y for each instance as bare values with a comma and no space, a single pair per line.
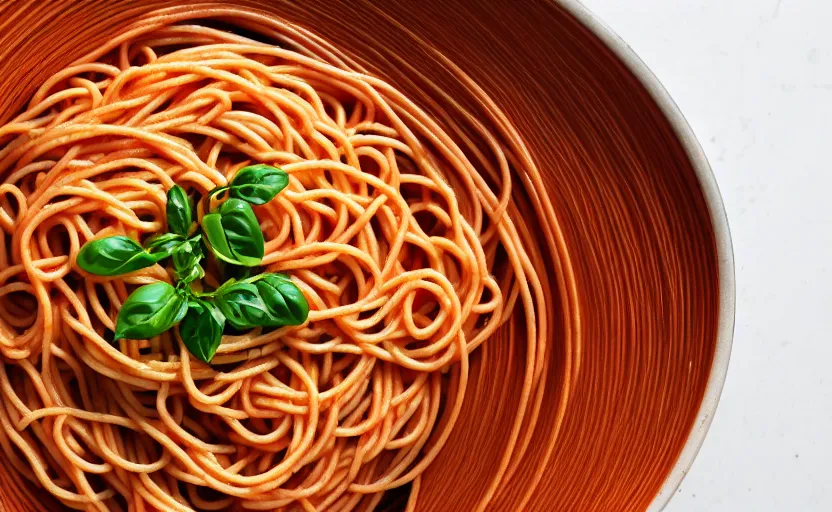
267,300
186,258
243,306
201,329
284,299
178,211
113,255
242,230
233,234
215,238
149,311
258,184
162,246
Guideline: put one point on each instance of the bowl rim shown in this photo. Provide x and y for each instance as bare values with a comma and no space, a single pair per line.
722,234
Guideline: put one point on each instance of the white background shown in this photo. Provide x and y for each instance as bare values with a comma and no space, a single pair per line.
754,79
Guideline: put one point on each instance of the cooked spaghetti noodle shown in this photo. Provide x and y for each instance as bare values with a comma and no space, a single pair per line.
404,280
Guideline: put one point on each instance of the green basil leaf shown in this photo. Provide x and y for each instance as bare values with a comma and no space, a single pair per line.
201,329
215,238
186,258
258,184
233,234
178,211
113,255
150,311
243,306
284,299
242,230
161,246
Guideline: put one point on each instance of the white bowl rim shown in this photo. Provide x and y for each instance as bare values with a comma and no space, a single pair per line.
722,234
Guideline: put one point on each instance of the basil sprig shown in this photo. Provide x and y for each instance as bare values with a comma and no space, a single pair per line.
232,233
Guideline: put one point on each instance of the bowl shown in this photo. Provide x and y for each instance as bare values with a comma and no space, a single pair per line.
644,310
726,297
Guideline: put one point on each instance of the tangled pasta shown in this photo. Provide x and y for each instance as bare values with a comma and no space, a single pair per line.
401,277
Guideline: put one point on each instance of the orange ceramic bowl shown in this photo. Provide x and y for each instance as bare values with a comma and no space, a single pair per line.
634,369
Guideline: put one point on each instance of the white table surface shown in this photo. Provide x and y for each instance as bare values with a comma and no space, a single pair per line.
754,79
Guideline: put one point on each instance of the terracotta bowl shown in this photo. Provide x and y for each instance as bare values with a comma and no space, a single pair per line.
631,391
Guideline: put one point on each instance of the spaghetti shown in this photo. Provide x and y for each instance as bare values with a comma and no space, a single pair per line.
404,280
